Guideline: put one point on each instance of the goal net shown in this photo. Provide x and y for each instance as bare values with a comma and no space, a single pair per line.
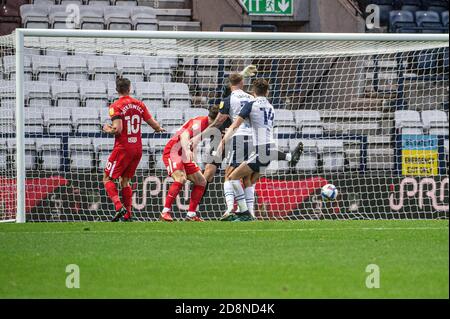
371,111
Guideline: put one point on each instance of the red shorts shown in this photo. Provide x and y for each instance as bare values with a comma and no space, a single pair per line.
123,163
175,163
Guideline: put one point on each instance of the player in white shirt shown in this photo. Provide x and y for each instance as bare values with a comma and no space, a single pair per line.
241,144
259,113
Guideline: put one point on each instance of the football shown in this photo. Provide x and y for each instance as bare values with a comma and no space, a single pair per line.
329,192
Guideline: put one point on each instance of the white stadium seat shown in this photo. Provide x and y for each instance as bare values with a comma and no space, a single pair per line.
81,153
333,154
132,69
37,94
34,121
103,148
57,120
34,16
102,68
435,122
408,122
284,122
91,18
309,122
117,18
30,151
177,95
93,94
144,18
85,119
74,68
150,93
65,93
50,152
46,68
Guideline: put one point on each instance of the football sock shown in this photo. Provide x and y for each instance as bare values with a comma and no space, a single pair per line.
196,197
229,195
127,198
250,199
113,194
172,194
240,196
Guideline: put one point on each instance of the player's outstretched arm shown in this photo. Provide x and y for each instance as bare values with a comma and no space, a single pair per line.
155,125
115,128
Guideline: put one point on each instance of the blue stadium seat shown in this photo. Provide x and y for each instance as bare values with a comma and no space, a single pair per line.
444,16
402,21
429,21
436,5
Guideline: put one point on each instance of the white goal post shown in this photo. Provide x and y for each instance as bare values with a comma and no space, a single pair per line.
374,95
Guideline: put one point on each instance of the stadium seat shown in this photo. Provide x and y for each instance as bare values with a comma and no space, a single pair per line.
333,154
65,94
77,2
50,153
194,112
444,19
46,68
309,122
309,159
7,94
132,69
37,94
9,67
82,47
3,155
34,16
102,68
98,2
429,21
126,3
284,122
408,122
156,146
170,119
144,18
437,5
402,21
156,69
81,153
93,94
74,68
435,122
150,93
44,2
177,95
144,163
117,18
58,16
91,18
57,120
85,120
34,121
103,148
411,8
7,121
31,153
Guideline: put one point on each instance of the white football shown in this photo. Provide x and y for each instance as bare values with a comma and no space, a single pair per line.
329,192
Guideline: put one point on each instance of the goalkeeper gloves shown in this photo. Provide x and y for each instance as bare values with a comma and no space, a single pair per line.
249,71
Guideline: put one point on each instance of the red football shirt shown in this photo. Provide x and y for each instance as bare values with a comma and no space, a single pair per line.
194,126
132,112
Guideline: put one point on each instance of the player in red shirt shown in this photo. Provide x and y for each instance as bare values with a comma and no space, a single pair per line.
179,160
127,115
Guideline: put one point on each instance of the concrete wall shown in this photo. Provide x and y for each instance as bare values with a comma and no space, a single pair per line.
333,16
309,16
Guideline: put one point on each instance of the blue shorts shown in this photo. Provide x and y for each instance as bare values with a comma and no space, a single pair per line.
262,157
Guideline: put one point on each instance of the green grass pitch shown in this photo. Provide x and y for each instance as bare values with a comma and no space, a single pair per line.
299,259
